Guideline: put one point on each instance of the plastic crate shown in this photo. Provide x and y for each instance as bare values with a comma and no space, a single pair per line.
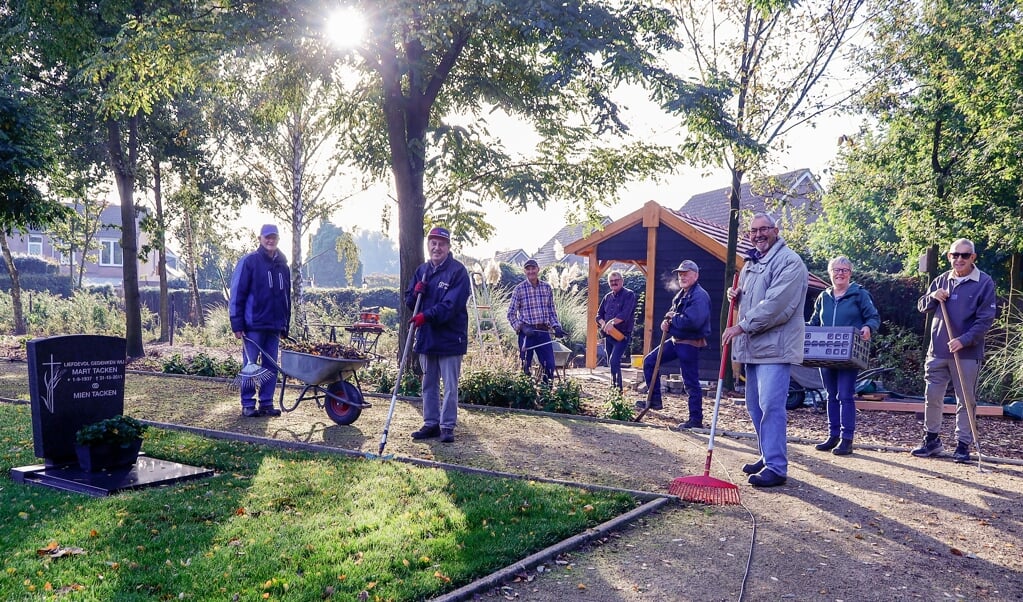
838,347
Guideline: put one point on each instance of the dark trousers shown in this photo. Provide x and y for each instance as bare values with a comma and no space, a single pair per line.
544,352
841,387
269,341
688,358
614,359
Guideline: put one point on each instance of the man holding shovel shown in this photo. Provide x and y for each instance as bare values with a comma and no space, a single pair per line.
438,293
684,332
957,346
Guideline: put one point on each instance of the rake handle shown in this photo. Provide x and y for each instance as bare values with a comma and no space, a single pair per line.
401,372
971,405
721,380
653,375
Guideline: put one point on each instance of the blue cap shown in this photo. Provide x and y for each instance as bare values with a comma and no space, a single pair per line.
268,229
439,233
687,266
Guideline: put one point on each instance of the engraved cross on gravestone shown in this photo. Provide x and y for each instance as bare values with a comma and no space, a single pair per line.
73,380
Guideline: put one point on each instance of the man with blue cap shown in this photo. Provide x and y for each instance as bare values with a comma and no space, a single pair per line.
438,294
260,310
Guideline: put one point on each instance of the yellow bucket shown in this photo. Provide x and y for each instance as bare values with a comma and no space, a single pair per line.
637,361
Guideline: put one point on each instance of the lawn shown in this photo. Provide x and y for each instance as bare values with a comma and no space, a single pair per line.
275,524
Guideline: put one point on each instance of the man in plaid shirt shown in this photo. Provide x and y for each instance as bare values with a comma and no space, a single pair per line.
531,314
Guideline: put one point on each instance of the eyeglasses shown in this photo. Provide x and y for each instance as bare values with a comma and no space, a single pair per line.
958,255
841,271
616,281
760,230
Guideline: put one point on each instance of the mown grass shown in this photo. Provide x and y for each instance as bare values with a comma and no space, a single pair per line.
275,525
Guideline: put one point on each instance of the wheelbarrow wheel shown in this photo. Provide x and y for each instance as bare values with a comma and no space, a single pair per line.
336,407
797,396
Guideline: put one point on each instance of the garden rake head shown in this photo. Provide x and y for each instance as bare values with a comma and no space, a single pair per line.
705,489
252,375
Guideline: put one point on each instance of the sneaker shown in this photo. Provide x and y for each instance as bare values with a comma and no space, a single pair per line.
766,478
250,413
753,467
844,448
962,453
447,435
827,445
269,411
930,447
691,424
427,432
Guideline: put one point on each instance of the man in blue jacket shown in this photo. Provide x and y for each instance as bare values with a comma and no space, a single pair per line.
441,286
688,326
260,310
969,298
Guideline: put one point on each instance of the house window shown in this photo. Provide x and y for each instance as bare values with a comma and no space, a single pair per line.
66,259
111,253
35,244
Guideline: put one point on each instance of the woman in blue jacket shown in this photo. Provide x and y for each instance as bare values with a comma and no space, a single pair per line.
844,303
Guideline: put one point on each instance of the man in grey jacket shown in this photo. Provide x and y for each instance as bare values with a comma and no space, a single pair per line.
768,339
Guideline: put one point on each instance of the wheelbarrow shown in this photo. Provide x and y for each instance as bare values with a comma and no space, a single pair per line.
327,381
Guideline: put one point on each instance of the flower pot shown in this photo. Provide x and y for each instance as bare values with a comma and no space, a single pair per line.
103,456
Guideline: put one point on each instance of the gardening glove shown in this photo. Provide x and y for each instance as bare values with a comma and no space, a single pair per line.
418,320
559,332
420,288
526,329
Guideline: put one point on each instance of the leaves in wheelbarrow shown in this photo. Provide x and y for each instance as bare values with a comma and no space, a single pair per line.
335,350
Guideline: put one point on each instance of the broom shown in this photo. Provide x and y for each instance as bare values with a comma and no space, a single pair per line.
705,488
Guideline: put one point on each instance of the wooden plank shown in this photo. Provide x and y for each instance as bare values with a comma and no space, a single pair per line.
918,406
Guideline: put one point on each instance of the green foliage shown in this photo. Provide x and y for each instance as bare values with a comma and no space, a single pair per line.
895,298
121,430
83,313
564,397
616,406
497,388
902,349
1001,378
201,365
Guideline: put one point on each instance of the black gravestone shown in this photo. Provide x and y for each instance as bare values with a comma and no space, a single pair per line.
73,381
76,380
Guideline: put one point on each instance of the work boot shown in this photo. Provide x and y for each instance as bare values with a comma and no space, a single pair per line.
447,435
691,424
930,447
427,432
654,405
766,478
844,448
753,467
962,453
269,411
250,413
827,445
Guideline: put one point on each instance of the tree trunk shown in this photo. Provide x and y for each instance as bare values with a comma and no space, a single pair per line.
161,264
191,255
124,173
734,196
20,326
297,218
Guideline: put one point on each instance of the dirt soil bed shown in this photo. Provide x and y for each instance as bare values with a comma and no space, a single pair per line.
876,525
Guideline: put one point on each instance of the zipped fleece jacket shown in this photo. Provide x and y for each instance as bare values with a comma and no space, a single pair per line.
771,308
972,308
261,293
855,308
446,331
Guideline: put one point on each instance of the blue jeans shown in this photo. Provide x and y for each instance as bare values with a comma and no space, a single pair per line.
688,358
269,341
767,388
435,369
841,387
614,360
544,353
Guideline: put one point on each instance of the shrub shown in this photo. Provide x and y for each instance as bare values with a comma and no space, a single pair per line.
201,365
565,397
120,430
616,406
1001,378
497,388
903,350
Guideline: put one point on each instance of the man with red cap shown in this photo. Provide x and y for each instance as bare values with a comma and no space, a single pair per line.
441,287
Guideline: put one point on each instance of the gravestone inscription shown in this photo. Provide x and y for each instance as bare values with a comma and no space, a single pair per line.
74,380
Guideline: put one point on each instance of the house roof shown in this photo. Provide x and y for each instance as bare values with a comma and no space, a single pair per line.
776,194
553,251
516,256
